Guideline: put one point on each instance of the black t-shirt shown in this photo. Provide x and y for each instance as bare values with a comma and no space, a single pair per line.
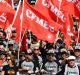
10,70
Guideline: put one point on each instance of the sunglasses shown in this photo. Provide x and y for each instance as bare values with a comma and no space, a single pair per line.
36,49
8,59
29,53
50,54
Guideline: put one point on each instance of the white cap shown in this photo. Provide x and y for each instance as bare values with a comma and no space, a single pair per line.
28,51
71,57
51,51
11,42
77,47
63,50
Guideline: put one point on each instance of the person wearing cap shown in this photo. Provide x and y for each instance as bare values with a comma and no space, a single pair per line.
77,54
71,68
22,58
51,65
28,66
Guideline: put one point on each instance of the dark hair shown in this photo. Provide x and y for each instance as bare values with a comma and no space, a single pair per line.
1,43
32,2
12,57
59,41
14,31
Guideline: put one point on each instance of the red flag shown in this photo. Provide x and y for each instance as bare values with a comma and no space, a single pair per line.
4,23
6,14
5,7
71,6
68,25
53,6
39,24
43,4
24,43
20,28
17,22
67,28
9,1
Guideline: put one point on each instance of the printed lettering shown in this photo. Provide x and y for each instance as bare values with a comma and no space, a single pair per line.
38,20
3,17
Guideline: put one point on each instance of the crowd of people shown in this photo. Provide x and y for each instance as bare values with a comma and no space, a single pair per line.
40,57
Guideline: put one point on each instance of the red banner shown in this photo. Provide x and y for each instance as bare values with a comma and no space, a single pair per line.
17,22
6,14
71,6
43,28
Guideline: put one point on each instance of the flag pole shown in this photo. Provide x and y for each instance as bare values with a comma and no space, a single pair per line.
78,33
78,36
20,40
10,27
12,3
14,17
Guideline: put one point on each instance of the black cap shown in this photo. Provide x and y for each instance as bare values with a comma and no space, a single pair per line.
29,51
77,47
2,53
22,53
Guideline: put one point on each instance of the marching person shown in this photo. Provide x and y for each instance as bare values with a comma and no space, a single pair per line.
28,66
71,68
51,65
77,54
11,68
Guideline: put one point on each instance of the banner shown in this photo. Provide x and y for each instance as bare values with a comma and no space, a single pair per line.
43,28
71,6
6,14
17,22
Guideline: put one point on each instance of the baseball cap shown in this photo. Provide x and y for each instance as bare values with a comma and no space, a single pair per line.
22,53
50,51
63,50
29,51
77,47
71,58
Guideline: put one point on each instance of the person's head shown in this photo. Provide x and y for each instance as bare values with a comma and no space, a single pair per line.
2,55
64,55
50,55
36,51
60,43
2,46
22,55
28,55
32,2
77,51
1,34
71,61
11,59
13,34
10,46
4,35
